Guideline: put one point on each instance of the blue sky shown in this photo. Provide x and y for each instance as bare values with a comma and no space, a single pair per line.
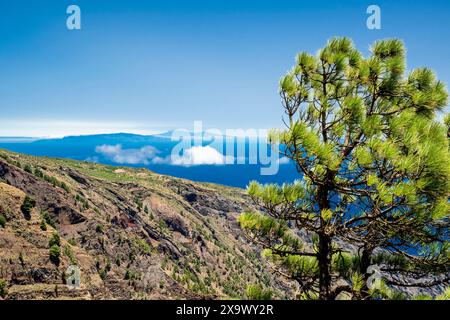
142,66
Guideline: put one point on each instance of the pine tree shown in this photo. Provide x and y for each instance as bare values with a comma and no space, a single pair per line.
374,169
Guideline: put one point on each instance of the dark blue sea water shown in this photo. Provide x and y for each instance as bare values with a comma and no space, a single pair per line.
84,148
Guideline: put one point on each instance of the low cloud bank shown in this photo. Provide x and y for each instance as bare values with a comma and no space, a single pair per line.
200,155
197,155
145,155
194,156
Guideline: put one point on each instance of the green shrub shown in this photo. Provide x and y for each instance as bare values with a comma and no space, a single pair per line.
38,173
69,254
139,203
3,288
65,187
142,245
43,225
132,275
2,221
257,292
28,205
99,229
48,219
55,240
108,266
51,180
55,253
103,273
28,169
21,259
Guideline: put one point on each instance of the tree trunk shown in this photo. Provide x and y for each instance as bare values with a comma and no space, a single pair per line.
324,259
324,250
365,264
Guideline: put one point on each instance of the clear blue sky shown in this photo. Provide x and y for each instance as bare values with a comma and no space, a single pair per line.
143,65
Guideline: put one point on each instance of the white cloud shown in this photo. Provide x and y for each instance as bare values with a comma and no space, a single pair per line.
115,153
108,149
284,160
161,160
199,155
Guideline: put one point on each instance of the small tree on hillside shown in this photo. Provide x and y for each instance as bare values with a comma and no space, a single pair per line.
27,206
375,175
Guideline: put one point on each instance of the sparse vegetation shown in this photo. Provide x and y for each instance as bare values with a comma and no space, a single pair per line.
257,292
139,203
69,254
83,200
65,187
142,246
132,275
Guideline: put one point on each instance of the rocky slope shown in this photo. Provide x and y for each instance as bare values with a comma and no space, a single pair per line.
133,234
